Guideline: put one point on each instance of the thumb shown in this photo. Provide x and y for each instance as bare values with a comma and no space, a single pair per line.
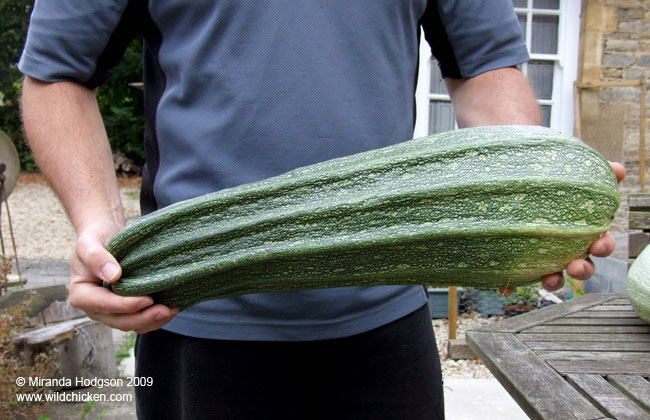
97,260
110,271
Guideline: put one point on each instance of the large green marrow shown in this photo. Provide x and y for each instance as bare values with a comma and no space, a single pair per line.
487,207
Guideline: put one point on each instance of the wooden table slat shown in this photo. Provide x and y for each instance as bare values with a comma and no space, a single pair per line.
533,392
601,367
619,301
530,319
602,314
526,337
601,308
639,201
639,220
580,329
634,387
608,398
588,346
598,321
592,355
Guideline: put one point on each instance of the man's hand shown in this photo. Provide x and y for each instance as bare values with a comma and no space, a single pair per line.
582,269
68,139
89,266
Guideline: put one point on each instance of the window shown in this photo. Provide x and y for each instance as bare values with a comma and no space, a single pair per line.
441,112
551,30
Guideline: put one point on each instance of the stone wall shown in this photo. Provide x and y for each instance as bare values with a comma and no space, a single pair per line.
615,47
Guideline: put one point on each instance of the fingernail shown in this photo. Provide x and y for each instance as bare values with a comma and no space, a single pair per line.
160,316
109,271
143,304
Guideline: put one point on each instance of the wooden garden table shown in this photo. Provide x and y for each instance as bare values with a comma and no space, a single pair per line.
588,358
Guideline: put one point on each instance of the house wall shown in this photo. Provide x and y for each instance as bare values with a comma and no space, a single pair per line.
615,46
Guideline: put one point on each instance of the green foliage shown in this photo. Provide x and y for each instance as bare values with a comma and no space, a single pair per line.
571,285
13,365
120,104
87,408
14,19
524,295
125,348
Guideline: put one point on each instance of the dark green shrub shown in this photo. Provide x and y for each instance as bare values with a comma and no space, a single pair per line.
120,104
14,19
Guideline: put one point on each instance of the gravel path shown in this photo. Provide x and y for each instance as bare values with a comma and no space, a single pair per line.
462,368
43,231
41,227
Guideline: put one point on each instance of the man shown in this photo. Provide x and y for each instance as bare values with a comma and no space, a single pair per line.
240,91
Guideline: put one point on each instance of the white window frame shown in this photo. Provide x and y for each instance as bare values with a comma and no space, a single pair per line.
564,75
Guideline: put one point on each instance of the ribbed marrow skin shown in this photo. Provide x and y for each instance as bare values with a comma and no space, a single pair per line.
638,284
486,207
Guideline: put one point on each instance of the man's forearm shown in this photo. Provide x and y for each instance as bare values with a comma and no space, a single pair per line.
497,97
67,136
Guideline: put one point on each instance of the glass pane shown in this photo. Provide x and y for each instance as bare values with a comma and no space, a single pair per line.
519,3
546,115
441,117
540,75
544,34
546,4
522,22
437,85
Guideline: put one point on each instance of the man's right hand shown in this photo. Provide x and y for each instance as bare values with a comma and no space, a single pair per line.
92,264
68,139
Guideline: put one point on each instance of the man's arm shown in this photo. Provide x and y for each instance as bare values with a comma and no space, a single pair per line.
67,136
504,97
497,97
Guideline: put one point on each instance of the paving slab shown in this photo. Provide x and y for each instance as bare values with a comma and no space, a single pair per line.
479,399
40,272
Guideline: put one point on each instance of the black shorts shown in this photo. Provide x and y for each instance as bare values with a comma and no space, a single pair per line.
392,372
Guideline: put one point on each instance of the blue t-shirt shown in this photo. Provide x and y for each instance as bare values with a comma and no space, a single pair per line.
237,91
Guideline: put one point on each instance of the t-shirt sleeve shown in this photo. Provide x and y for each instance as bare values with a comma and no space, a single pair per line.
70,40
470,37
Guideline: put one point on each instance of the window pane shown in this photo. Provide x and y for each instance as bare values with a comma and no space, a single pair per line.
437,85
522,22
519,3
546,115
441,117
544,34
540,75
546,4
